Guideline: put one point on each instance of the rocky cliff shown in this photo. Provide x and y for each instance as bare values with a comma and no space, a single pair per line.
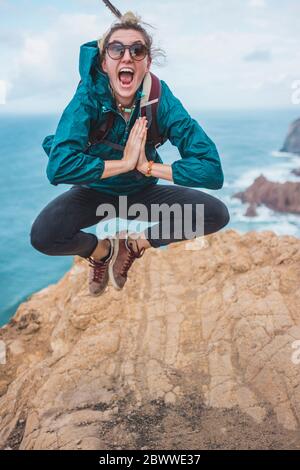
196,352
292,141
296,171
281,197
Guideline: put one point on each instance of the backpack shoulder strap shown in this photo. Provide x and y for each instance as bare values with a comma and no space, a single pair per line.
99,133
149,107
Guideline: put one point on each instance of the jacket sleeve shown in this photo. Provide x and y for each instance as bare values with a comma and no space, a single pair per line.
68,163
200,164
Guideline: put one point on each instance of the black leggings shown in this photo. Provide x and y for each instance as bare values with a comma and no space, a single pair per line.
57,231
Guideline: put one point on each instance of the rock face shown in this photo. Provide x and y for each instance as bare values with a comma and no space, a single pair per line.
251,211
198,351
296,172
292,142
281,197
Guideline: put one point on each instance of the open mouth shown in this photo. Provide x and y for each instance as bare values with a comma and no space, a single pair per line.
126,78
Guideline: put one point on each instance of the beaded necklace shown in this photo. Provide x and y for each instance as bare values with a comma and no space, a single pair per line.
126,110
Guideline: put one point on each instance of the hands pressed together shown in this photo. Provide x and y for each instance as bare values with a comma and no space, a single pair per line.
134,152
134,156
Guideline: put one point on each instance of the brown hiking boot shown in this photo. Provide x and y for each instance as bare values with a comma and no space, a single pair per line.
123,257
98,273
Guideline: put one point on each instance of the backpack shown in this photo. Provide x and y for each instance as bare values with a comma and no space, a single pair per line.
149,105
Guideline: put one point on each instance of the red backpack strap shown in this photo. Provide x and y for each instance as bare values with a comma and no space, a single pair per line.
149,107
99,133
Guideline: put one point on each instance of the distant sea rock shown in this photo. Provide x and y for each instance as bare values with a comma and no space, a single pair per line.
296,172
292,142
251,211
281,197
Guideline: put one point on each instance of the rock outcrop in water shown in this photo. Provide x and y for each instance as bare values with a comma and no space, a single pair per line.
296,172
281,197
292,142
198,351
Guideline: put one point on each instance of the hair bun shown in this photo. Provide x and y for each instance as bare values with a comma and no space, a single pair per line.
130,18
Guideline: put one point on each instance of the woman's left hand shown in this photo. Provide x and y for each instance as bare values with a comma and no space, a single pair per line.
142,163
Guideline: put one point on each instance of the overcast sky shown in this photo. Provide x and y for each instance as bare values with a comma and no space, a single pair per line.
220,54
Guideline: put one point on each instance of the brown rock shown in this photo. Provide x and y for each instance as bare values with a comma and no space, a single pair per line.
196,353
251,211
3,387
16,347
281,197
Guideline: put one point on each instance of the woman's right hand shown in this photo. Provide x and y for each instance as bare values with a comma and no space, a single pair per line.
134,142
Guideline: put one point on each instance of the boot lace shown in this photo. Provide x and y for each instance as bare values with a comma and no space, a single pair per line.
99,268
132,255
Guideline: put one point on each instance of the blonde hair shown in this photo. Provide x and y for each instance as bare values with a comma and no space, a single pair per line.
131,21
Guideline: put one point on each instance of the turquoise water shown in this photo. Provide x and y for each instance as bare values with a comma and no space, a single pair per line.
247,142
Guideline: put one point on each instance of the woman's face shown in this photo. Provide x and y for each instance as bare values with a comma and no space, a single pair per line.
125,94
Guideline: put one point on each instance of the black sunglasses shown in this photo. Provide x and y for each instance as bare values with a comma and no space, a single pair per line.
116,50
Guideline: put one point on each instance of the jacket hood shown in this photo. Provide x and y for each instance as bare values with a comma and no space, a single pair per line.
93,76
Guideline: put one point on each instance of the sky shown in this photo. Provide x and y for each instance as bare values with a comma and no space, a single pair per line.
237,54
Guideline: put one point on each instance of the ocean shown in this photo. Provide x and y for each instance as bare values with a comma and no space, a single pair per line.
248,143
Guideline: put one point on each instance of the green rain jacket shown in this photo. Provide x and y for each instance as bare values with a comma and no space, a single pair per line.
73,161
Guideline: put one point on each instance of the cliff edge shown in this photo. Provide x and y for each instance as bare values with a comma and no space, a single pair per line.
198,351
292,141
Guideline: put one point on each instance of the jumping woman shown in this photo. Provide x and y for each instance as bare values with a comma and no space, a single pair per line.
105,146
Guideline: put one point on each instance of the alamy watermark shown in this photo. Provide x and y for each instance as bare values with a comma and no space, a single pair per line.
296,93
3,92
2,352
168,222
296,353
